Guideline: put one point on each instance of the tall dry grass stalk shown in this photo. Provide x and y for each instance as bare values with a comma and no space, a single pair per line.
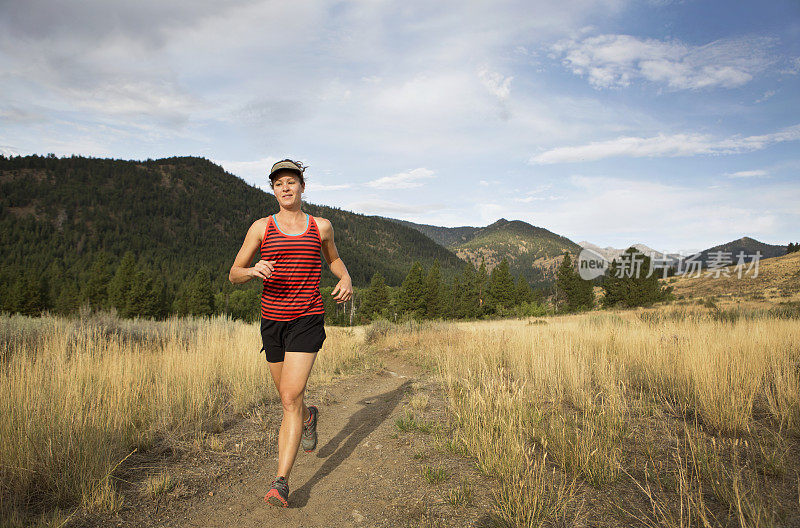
527,398
77,396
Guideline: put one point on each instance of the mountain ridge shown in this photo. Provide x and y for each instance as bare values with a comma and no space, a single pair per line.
532,252
176,214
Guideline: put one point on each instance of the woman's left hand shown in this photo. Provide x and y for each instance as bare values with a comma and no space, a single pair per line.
345,289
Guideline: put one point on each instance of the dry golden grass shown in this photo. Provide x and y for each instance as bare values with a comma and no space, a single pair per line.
678,419
159,484
78,396
680,416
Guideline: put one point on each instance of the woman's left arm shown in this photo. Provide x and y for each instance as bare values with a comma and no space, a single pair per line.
345,286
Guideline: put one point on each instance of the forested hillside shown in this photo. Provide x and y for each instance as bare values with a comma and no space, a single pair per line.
66,222
533,253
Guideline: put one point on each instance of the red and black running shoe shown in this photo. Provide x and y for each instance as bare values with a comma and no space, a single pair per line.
309,437
279,494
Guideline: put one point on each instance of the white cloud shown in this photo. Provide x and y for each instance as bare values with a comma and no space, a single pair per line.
617,60
539,188
613,211
664,145
439,98
136,97
617,211
497,85
793,68
311,187
384,207
530,199
7,151
747,174
422,82
487,183
531,194
15,115
402,180
150,22
363,65
251,171
767,95
490,212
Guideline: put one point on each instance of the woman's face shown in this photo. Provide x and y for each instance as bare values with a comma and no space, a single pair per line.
288,189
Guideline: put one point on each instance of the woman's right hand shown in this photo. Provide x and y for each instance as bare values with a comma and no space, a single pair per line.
263,269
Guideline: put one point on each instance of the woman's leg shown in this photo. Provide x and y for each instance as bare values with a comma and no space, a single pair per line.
275,369
292,380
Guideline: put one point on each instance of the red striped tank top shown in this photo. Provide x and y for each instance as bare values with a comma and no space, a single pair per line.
292,290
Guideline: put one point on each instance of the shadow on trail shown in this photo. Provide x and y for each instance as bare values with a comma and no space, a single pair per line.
358,427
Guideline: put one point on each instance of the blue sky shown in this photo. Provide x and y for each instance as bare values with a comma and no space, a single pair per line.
673,124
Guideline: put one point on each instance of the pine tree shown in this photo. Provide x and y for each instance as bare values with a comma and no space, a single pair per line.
139,301
413,291
573,293
146,296
57,278
432,308
647,290
120,285
68,299
376,298
96,289
12,301
243,304
6,303
565,282
447,305
467,297
200,297
31,297
450,298
164,301
623,285
584,294
522,291
180,305
501,286
614,287
480,286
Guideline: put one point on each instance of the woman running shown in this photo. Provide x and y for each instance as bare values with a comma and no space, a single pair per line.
292,313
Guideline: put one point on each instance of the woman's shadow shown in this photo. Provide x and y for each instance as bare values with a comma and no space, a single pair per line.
341,446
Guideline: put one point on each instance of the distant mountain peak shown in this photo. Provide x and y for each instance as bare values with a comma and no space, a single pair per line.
748,244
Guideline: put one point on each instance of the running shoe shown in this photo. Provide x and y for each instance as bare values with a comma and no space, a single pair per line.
279,494
309,437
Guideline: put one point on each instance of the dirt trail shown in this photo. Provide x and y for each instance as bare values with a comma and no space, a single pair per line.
365,471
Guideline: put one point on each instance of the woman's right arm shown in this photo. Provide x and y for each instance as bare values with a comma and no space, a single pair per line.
240,273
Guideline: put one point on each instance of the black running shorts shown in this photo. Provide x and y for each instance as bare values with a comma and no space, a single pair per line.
304,334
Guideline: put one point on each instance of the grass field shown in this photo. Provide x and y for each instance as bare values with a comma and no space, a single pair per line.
79,395
676,416
667,417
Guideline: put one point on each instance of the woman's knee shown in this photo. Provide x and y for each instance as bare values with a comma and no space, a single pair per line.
291,398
